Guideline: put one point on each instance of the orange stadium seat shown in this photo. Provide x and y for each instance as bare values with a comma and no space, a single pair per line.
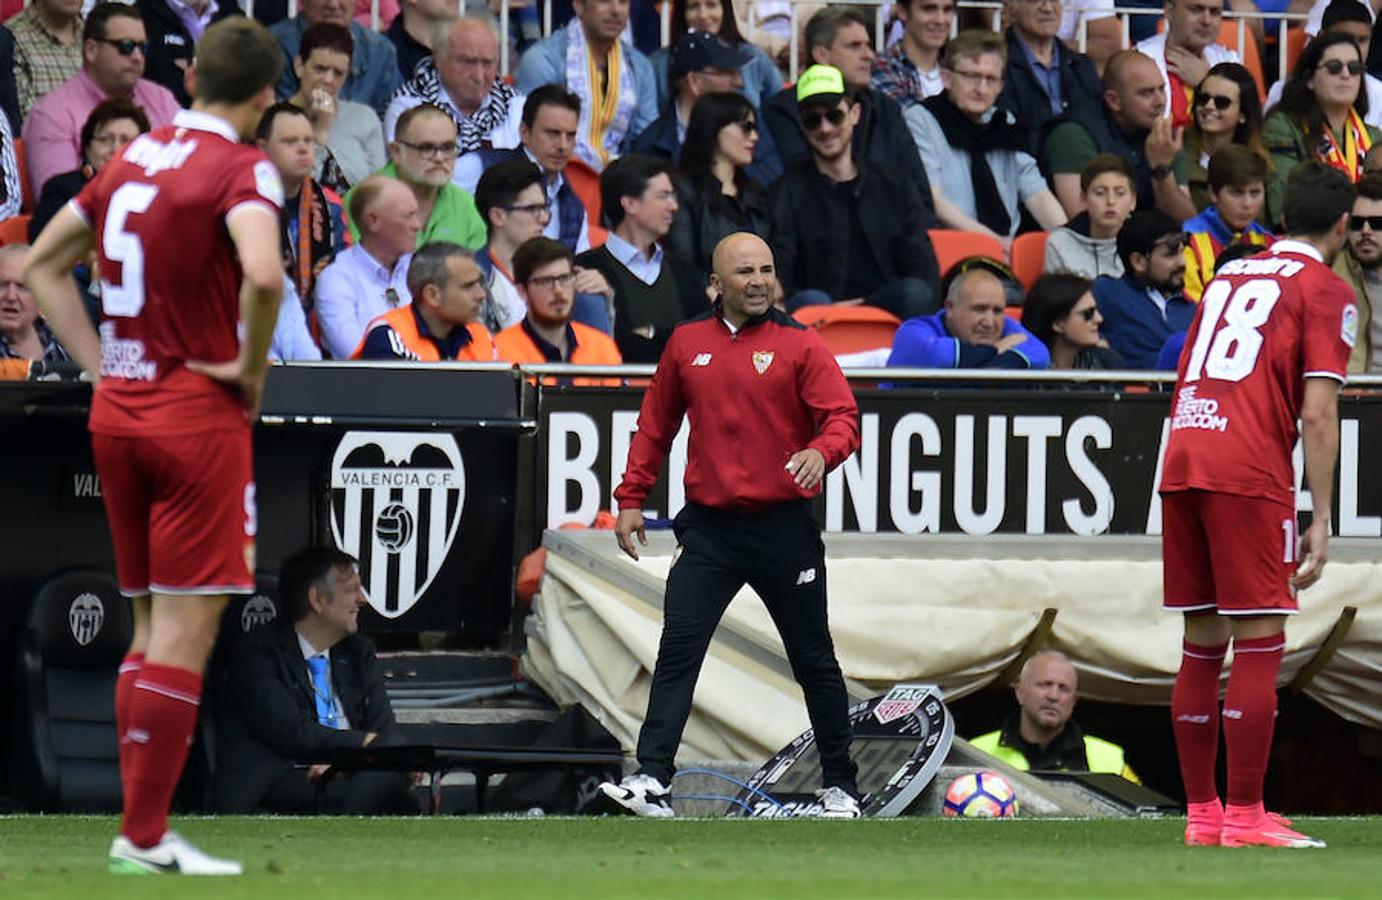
585,181
850,329
951,246
1295,42
15,230
1029,256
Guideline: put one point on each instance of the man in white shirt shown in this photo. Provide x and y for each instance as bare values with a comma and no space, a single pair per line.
1186,51
371,277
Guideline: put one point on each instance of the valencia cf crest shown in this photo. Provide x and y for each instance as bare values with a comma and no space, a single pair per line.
85,616
396,500
762,359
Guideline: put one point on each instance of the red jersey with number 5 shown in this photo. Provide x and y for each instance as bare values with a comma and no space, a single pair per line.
1264,325
170,277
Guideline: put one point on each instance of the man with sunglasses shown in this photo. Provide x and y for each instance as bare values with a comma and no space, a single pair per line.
1186,51
844,228
1145,307
1361,266
114,44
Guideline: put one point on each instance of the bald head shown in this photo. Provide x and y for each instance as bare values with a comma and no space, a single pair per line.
744,276
974,307
1134,90
467,61
385,210
1046,696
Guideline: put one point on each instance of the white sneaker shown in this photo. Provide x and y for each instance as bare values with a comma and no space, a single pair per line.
642,795
171,855
836,803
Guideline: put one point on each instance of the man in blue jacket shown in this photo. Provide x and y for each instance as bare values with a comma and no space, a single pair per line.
971,332
1144,307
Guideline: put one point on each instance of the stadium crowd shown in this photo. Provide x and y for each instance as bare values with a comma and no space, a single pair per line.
1093,193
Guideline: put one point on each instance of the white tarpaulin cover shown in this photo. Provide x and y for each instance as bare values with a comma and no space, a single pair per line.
901,611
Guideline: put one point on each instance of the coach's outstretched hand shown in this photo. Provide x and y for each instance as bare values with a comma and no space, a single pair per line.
239,373
1314,553
629,523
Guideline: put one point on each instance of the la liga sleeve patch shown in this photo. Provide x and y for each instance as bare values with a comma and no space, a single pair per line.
268,183
1348,325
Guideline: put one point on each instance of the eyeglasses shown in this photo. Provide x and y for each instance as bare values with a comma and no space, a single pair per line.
1337,66
534,209
979,78
1356,223
126,47
547,282
1220,102
812,119
432,151
1088,313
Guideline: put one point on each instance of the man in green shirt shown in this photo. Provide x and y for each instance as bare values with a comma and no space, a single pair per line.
423,156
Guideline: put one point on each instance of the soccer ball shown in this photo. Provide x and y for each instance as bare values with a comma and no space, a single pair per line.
394,527
981,794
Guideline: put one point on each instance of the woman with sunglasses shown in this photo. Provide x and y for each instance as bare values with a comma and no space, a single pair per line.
1062,313
715,196
761,76
1227,111
1320,116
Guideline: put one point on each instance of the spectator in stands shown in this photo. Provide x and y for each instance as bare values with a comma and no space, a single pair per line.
373,75
547,137
111,125
1227,111
174,28
1361,267
9,91
840,37
414,31
1064,316
511,200
621,102
1087,246
113,47
349,141
970,332
653,291
292,338
1186,51
544,271
48,38
23,333
1040,733
1103,30
975,152
462,78
1145,306
715,194
306,684
845,229
11,190
371,277
1354,18
1238,190
423,156
1044,78
1320,116
1132,125
442,323
910,70
761,78
312,217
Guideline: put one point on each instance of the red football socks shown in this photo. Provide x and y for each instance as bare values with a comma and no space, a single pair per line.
124,690
162,715
1195,719
1250,715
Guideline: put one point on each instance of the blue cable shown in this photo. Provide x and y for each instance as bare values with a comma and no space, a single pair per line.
732,800
732,780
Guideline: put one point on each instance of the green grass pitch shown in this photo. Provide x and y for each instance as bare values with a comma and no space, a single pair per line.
64,857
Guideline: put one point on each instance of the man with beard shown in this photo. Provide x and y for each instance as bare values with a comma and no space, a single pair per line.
423,156
1361,267
1040,733
1144,307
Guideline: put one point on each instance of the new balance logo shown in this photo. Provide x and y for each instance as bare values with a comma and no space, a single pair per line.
702,359
806,576
1193,720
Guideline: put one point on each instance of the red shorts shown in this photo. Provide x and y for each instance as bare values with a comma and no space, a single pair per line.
181,511
1227,553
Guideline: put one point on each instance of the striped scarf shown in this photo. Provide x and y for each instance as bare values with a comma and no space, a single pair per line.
608,104
472,132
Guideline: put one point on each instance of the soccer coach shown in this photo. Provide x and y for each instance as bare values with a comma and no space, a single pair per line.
770,414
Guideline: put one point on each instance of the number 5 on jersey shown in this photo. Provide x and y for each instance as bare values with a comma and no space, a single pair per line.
119,245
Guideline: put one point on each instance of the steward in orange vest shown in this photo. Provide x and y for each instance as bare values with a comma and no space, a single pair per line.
585,346
442,323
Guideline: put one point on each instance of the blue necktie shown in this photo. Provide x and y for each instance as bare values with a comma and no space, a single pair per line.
321,689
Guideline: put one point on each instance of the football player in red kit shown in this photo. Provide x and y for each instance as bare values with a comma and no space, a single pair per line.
185,227
1268,347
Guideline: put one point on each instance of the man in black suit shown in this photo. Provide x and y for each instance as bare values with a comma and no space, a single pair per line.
307,683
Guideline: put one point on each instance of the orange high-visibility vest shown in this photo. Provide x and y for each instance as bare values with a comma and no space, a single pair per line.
409,342
592,348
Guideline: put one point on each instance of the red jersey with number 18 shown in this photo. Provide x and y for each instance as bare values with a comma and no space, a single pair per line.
170,278
1264,325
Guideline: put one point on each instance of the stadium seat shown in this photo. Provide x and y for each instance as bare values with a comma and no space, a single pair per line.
850,329
15,230
585,181
77,632
951,246
1029,256
1295,43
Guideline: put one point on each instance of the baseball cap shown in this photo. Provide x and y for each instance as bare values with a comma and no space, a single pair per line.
821,84
698,50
